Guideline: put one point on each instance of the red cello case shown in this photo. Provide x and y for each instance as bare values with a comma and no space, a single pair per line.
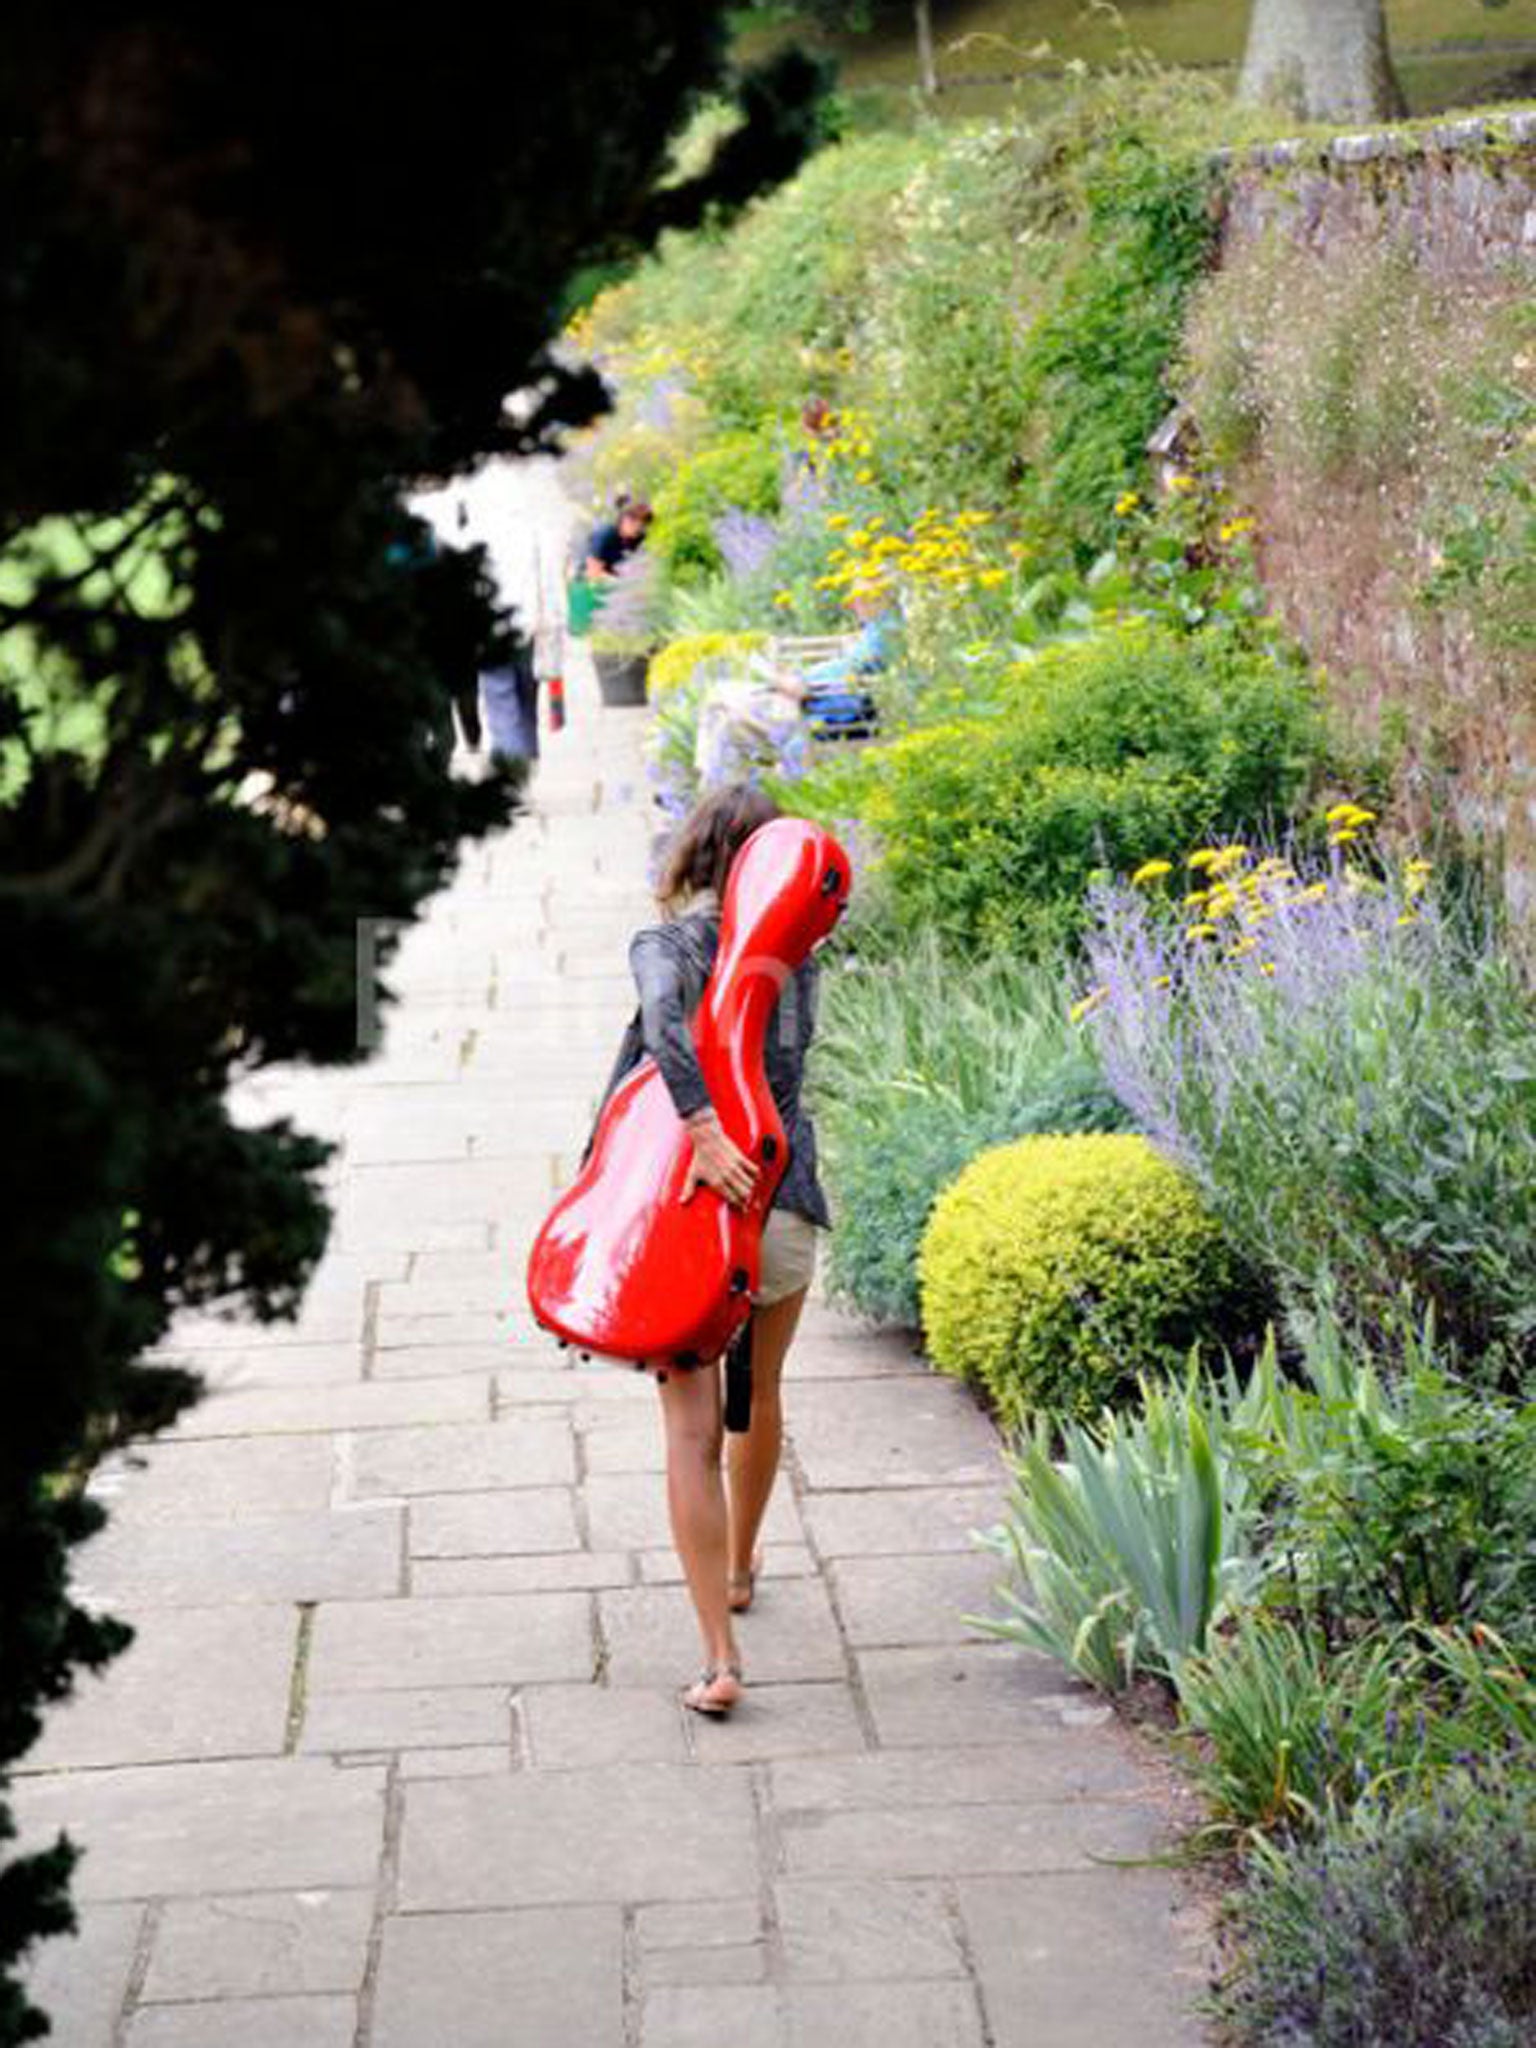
623,1266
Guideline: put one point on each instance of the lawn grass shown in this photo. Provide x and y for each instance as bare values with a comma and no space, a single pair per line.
1449,52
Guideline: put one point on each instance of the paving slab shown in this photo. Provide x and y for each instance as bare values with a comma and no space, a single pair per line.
781,1721
904,1601
223,1481
186,1830
872,1930
426,1717
503,1524
653,1637
347,1555
811,2016
252,1366
489,1353
1023,1763
459,1457
900,1521
628,1511
459,1639
195,1682
959,1694
454,1329
714,1923
950,1841
258,1944
847,1354
573,1727
892,1432
629,1443
246,2023
779,1561
629,1834
484,1980
1063,1960
81,1980
746,1963
554,1571
357,1404
486,1762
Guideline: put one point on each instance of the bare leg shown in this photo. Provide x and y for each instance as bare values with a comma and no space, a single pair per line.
690,1406
753,1459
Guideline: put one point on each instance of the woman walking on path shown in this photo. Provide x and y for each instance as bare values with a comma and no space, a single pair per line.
716,1518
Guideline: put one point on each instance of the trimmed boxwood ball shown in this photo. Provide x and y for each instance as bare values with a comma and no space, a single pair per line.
1054,1270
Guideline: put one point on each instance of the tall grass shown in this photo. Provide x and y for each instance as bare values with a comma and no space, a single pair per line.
922,1061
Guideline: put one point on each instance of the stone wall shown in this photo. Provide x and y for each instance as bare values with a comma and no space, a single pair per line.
1461,195
1345,560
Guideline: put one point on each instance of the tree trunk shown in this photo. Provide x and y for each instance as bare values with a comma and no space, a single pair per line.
927,70
1324,60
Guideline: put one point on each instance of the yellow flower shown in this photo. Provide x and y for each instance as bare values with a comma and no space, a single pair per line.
864,476
1183,483
1234,529
989,579
1226,858
1241,946
1313,893
1126,502
1266,967
1151,870
1162,981
1345,836
783,597
1094,999
1409,917
1200,931
838,520
1203,858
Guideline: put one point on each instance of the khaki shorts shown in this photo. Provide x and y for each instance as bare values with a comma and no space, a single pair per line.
788,1261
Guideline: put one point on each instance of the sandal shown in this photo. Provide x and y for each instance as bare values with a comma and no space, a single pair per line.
741,1587
701,1697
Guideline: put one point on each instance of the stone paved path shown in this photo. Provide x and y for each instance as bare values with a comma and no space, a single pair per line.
396,1759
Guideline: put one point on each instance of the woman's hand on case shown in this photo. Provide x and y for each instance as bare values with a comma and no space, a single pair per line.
717,1161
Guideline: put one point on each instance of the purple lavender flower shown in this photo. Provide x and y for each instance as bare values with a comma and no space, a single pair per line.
659,406
745,540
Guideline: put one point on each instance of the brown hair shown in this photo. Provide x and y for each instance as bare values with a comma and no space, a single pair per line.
708,841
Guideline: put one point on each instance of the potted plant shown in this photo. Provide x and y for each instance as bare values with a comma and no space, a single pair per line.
621,659
623,635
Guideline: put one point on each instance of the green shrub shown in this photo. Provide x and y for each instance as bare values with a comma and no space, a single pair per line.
1097,754
922,1061
739,472
1093,373
1423,1512
1055,1270
762,315
1413,1928
948,319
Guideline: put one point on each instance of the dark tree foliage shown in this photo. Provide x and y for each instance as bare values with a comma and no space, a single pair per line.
263,268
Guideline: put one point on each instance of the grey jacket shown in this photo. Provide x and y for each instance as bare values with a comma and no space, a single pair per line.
671,964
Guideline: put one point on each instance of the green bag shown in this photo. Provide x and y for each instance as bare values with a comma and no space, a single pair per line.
582,604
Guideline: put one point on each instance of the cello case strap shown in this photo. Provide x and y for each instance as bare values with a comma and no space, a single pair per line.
738,1380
